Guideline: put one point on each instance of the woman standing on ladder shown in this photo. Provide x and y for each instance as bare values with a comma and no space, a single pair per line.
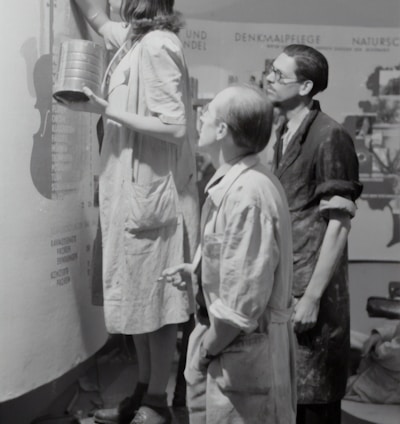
148,198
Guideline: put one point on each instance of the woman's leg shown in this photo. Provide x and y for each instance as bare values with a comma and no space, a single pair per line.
154,409
142,347
162,344
127,408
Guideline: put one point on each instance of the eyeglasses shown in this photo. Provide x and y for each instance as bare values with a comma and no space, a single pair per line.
279,77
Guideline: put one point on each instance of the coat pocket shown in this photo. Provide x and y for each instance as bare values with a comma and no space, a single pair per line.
152,205
211,253
244,366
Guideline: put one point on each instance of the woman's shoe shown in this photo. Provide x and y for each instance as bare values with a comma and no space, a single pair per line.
123,414
127,409
147,415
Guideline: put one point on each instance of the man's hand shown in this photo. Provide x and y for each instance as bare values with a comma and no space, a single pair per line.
204,358
305,314
370,344
178,276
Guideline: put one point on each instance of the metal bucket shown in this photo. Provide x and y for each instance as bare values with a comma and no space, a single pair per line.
81,64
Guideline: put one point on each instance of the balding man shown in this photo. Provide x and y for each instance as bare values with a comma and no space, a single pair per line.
240,365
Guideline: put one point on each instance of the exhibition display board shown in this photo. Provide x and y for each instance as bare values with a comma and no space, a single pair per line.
363,95
49,214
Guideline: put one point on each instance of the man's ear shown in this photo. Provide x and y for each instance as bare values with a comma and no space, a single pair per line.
222,130
306,87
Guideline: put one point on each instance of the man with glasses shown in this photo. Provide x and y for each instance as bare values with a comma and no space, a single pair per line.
316,163
240,364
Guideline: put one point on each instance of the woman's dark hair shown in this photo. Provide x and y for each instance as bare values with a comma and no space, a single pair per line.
249,117
149,15
310,65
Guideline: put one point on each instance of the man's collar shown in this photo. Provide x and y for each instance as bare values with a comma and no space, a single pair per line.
226,174
297,119
218,174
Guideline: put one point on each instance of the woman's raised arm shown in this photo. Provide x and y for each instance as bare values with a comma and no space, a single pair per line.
94,14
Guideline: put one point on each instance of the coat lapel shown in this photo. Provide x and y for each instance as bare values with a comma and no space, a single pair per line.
295,145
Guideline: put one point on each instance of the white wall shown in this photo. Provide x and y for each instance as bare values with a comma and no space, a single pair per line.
366,13
47,322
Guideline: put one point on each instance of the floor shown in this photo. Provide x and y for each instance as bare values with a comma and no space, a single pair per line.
113,376
110,379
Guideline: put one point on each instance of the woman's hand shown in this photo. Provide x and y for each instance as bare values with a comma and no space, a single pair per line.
95,104
178,276
98,102
103,105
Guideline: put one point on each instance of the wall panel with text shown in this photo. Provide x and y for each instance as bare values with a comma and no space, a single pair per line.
49,214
